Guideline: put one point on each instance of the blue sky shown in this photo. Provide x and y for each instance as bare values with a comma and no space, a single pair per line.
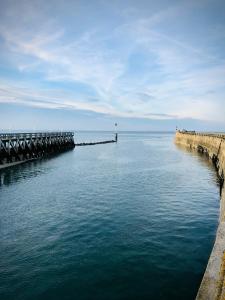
148,65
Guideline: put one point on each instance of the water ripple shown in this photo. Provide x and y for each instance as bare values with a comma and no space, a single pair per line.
133,220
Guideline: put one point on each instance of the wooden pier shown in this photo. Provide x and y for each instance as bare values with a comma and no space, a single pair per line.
20,147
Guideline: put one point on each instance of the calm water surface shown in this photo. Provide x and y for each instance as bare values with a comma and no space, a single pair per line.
133,220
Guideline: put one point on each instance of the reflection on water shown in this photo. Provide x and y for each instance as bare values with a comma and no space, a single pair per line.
202,158
116,221
26,170
21,171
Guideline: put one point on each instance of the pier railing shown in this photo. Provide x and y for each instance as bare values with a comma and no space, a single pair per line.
33,135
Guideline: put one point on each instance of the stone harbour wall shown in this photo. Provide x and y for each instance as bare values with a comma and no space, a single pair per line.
213,145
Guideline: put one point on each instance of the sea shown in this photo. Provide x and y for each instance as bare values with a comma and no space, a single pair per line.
130,220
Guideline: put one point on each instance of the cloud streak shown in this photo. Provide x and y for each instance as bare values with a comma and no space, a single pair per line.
134,68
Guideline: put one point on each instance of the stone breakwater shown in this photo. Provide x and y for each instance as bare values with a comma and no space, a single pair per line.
213,145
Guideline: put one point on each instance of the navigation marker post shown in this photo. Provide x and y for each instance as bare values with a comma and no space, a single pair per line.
116,134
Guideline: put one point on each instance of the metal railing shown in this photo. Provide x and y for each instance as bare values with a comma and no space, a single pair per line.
34,135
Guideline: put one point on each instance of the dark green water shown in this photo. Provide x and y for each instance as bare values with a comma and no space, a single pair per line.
133,220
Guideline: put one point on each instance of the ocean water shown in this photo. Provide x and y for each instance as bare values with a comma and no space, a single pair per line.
132,220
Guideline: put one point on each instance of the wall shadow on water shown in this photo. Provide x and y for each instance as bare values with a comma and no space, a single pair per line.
16,173
202,158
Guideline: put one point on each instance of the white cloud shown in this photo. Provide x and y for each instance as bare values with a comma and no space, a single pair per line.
178,82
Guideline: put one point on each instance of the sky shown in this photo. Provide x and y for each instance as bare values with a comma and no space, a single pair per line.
84,65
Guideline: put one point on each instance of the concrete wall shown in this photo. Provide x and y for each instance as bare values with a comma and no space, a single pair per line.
213,283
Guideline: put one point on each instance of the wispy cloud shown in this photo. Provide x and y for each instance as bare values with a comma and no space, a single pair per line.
134,68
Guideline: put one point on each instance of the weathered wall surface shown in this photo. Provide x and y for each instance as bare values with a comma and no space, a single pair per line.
213,282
